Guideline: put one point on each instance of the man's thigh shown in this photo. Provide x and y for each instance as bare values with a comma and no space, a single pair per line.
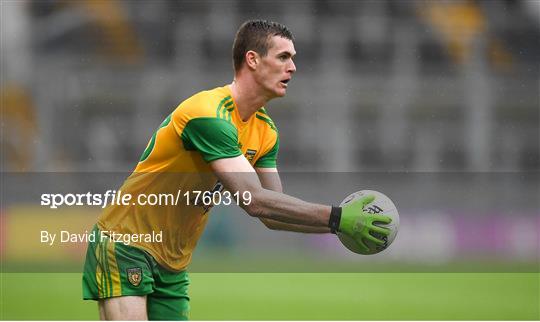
170,300
123,308
114,272
113,269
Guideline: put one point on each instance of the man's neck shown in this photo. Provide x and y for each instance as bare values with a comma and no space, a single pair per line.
247,97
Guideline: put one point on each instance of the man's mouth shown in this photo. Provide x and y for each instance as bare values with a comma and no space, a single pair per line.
285,81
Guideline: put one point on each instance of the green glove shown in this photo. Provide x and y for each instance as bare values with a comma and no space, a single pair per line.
360,224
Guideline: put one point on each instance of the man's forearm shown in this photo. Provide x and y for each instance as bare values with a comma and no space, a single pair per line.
270,180
278,225
237,175
286,209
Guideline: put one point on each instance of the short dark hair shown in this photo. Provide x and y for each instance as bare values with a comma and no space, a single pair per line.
255,35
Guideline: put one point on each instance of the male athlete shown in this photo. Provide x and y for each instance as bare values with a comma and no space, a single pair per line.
217,138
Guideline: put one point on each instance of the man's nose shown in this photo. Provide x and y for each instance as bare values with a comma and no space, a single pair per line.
292,67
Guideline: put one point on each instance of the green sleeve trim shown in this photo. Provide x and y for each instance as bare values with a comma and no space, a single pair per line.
214,138
269,160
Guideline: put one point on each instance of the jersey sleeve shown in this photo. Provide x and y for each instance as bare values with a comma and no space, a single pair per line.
269,160
214,138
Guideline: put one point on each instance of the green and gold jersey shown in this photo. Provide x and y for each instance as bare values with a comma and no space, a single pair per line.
203,128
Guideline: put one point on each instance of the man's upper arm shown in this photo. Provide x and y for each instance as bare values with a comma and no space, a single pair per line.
214,138
236,174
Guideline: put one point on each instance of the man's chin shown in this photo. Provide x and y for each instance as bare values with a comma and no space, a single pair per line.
281,92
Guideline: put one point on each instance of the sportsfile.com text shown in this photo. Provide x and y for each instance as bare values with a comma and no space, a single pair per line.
113,197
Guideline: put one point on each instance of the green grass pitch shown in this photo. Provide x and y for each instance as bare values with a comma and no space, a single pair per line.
301,296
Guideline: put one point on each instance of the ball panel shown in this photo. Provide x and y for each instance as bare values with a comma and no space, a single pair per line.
381,205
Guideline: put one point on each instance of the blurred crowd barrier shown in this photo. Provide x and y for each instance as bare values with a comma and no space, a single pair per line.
381,85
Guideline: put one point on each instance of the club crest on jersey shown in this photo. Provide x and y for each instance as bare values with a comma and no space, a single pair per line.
250,154
134,275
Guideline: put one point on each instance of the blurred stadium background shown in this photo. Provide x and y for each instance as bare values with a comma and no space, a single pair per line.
435,103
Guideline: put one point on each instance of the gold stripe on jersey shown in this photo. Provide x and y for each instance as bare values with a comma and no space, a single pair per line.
107,272
99,273
113,270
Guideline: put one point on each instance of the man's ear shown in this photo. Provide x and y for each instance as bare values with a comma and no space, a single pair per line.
252,59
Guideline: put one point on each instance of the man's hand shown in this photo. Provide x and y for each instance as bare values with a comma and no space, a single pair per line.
360,225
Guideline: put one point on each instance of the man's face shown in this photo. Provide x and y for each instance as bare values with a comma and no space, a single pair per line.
275,70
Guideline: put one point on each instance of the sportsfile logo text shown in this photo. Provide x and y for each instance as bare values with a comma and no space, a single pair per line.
110,197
